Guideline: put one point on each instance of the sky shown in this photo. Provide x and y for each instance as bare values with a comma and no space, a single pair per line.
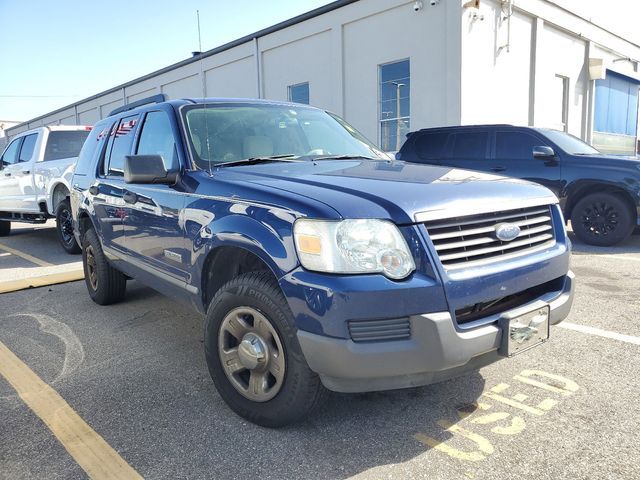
53,53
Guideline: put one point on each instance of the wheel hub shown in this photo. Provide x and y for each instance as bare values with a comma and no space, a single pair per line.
252,351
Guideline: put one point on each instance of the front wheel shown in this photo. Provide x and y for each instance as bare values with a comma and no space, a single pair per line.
5,228
602,219
253,353
64,226
105,284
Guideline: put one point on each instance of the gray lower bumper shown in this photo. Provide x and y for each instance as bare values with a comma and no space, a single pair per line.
435,352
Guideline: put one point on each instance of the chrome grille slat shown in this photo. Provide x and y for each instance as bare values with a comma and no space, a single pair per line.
475,231
471,239
485,240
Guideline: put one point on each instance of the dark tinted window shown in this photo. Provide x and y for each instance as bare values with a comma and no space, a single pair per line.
430,146
516,145
121,141
28,145
64,144
470,145
10,155
156,138
88,149
299,93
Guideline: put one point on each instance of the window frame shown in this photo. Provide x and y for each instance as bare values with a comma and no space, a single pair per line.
399,118
106,161
33,151
19,143
290,90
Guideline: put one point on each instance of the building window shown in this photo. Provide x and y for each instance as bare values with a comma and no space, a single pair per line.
394,110
299,93
560,98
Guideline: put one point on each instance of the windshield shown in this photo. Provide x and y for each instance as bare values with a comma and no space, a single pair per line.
568,143
230,132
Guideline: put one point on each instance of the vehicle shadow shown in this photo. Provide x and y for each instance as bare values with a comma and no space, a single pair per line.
631,245
350,434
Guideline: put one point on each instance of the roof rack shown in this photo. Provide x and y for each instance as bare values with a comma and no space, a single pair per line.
161,97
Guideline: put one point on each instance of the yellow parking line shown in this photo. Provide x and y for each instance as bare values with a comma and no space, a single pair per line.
41,281
88,449
25,256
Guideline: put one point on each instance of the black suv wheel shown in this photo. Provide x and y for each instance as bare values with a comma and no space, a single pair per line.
254,356
602,219
5,228
106,285
64,226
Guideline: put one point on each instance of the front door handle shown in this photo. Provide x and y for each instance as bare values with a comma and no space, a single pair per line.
93,190
26,172
130,197
7,174
498,169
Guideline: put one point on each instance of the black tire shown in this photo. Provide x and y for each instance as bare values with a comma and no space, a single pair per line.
64,227
105,284
300,391
602,219
5,228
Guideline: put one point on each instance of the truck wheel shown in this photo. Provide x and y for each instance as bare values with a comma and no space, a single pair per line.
64,226
106,285
5,228
602,219
253,354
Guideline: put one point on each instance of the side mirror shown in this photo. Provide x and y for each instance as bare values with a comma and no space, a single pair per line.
148,169
543,152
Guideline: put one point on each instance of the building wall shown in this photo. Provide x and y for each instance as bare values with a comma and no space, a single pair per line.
460,66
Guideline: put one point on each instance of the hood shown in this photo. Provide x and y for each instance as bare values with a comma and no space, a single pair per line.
392,190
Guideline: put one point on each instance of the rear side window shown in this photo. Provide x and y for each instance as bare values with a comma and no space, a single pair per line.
516,145
87,153
156,138
10,155
121,142
430,146
472,145
28,145
64,144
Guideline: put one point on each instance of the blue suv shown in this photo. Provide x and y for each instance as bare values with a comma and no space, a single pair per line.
320,263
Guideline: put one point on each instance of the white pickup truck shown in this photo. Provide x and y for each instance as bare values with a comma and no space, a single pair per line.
35,174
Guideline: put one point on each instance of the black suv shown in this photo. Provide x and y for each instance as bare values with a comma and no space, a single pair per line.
599,193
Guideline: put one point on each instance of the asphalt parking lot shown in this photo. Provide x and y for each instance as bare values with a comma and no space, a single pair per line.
132,379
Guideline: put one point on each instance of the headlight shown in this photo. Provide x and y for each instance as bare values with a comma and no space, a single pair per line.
353,246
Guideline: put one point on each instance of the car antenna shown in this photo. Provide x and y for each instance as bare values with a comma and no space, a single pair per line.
204,92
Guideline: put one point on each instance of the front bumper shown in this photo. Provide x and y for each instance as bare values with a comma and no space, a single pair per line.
436,351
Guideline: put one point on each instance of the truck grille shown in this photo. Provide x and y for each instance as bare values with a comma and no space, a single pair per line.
379,330
462,240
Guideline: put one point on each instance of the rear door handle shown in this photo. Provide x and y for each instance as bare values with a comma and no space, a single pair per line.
498,169
130,197
7,174
93,190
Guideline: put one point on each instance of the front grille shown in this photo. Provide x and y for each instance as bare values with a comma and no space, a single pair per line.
379,330
471,313
462,240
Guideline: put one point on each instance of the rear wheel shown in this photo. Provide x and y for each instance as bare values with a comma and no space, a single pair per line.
602,219
254,356
105,284
5,228
64,226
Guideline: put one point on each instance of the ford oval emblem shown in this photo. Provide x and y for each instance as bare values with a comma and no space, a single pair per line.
507,231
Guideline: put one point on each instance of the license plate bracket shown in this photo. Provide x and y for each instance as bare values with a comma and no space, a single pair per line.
524,331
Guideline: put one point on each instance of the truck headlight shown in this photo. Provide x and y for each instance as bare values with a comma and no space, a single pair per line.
353,246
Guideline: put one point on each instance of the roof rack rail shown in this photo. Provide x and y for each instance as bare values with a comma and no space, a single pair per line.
161,97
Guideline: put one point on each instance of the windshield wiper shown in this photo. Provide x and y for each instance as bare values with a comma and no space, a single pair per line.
254,160
343,157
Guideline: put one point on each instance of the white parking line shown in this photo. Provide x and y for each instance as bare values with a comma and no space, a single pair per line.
600,333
